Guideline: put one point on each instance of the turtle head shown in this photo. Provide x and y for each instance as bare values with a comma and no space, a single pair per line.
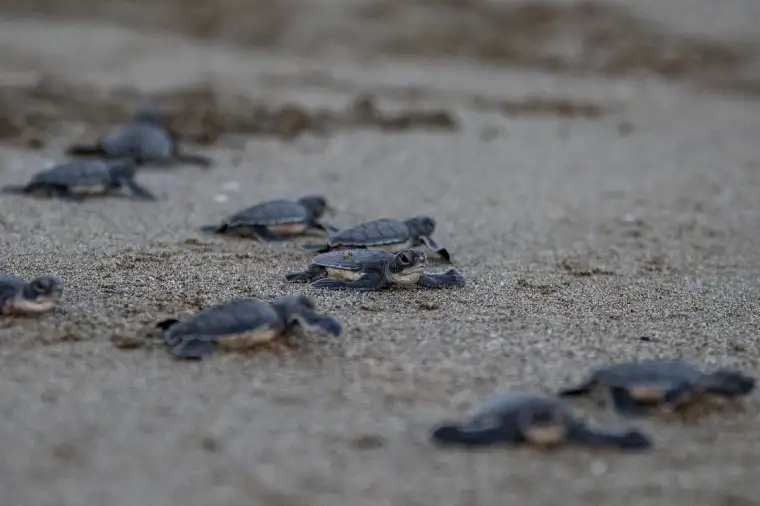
316,204
41,294
406,266
729,382
293,304
300,310
421,226
148,115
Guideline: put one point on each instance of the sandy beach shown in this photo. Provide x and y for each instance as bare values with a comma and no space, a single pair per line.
593,168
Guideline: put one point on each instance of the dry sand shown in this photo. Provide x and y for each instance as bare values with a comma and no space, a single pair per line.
613,217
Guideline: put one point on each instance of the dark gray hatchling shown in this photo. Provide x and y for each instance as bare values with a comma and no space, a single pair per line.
386,234
518,418
276,220
372,269
33,298
635,387
144,140
77,179
241,324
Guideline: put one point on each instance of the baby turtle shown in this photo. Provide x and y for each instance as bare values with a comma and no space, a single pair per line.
76,179
372,269
241,324
144,140
276,220
517,418
20,298
636,386
386,234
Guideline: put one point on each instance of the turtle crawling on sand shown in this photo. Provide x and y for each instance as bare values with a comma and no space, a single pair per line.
636,386
386,234
518,418
276,220
241,324
76,179
20,298
144,140
372,269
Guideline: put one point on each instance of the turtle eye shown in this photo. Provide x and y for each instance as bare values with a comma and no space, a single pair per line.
405,259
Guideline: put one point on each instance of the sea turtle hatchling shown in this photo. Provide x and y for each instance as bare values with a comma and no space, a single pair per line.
144,139
32,298
241,324
372,269
386,234
276,220
519,418
76,179
636,386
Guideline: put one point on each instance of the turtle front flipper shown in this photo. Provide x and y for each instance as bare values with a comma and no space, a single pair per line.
86,150
193,349
434,246
449,278
311,319
629,440
678,395
625,404
452,434
330,229
368,282
137,190
64,193
313,273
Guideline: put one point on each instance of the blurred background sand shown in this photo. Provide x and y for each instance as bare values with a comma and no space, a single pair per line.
593,168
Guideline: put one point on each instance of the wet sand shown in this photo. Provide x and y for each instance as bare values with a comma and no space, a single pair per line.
599,212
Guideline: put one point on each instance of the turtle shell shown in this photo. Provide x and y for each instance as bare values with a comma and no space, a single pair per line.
648,379
380,232
273,212
80,173
351,259
139,140
239,320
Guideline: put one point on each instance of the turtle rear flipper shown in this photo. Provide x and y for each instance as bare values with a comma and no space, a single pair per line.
193,349
317,247
629,440
86,150
433,245
456,434
13,189
213,229
449,278
199,160
165,324
263,233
